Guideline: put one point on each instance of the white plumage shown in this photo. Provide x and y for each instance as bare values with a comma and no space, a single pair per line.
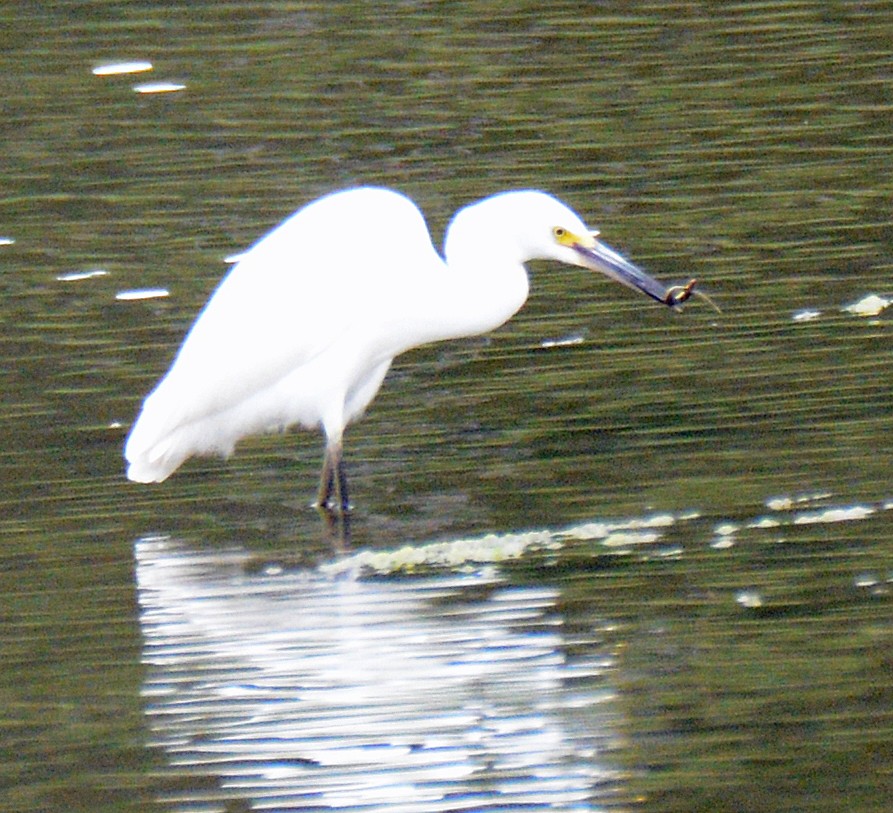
304,328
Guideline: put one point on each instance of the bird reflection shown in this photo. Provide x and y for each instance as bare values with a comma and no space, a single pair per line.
295,690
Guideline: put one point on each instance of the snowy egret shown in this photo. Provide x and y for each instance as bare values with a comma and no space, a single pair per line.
304,328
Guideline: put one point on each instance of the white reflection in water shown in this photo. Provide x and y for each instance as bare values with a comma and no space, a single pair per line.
142,293
299,691
870,305
158,87
78,276
118,68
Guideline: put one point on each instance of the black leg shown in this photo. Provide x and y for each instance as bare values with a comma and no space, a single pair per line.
333,482
326,483
332,500
341,477
337,528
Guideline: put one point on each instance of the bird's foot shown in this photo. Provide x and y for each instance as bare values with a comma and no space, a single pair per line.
336,520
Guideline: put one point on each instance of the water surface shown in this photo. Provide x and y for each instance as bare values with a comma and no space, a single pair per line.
736,654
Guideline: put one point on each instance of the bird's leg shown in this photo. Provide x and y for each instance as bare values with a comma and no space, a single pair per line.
332,500
326,483
341,489
337,527
333,481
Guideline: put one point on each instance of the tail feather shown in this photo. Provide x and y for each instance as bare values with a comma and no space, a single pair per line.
167,433
159,443
152,462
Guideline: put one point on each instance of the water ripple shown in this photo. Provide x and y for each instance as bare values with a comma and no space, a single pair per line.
295,689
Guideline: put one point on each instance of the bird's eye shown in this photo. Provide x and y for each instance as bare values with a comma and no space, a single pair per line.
563,236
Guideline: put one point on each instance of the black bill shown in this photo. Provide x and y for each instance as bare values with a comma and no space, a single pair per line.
601,257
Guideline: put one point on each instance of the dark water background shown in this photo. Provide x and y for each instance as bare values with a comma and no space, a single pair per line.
728,638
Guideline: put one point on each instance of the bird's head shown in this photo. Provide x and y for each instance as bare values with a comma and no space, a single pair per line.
542,227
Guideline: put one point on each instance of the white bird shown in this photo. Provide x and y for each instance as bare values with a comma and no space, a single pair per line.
304,328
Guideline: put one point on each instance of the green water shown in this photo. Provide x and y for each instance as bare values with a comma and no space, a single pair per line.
747,145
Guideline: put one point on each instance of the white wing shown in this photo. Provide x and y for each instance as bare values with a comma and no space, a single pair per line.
338,268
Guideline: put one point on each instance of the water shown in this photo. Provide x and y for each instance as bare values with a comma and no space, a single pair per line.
360,694
691,511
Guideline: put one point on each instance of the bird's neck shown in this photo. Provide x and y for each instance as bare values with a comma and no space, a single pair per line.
485,282
474,296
